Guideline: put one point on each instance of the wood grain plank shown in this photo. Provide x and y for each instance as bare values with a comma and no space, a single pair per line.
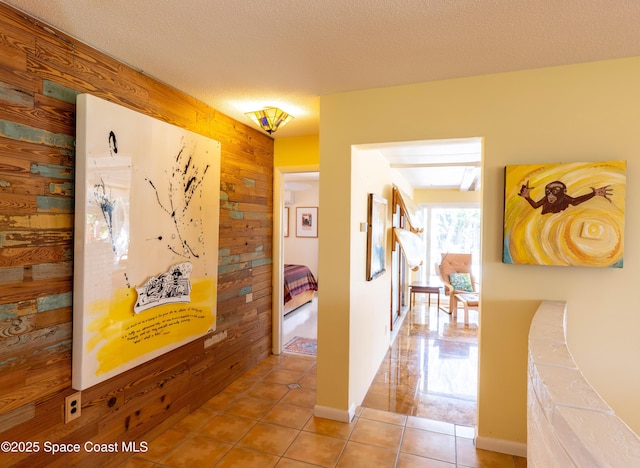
18,309
20,80
36,221
23,337
30,392
11,275
36,289
53,317
55,247
13,36
38,115
22,183
11,56
18,203
9,165
14,417
14,95
20,25
58,116
30,362
56,49
46,271
33,240
32,153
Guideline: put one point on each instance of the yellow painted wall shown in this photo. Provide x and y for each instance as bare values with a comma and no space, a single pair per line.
369,300
585,112
295,154
296,151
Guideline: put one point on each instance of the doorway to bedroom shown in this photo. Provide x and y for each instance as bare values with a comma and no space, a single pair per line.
301,217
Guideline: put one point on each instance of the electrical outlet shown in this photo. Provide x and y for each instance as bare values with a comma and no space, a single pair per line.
72,405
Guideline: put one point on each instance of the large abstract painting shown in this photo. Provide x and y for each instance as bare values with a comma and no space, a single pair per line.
146,239
567,214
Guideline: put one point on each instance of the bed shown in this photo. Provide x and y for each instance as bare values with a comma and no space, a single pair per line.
299,286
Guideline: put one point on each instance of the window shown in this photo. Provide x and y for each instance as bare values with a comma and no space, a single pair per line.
451,229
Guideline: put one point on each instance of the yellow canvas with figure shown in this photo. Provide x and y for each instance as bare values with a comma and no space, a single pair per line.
567,214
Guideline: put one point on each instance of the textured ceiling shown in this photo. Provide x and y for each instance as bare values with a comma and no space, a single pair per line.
242,55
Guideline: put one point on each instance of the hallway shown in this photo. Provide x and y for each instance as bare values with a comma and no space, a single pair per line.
431,370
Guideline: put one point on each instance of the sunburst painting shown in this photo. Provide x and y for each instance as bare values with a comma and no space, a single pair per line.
566,214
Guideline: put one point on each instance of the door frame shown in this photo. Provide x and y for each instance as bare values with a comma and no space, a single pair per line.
277,260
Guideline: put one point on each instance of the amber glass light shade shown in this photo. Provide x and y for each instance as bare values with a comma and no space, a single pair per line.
270,119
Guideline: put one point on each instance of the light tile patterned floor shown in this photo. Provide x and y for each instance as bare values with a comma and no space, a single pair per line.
265,419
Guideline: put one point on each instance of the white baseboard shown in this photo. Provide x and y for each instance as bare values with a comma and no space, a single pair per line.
334,413
502,446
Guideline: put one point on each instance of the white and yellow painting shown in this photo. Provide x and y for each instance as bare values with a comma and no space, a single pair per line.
146,239
567,214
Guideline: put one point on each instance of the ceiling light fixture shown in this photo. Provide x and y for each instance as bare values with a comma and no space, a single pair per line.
270,119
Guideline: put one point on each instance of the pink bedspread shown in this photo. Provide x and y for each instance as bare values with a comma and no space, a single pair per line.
297,279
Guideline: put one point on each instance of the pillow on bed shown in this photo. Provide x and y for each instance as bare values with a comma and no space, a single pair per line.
461,282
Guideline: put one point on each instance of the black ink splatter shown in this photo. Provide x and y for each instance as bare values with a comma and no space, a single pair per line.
107,206
189,182
185,184
113,144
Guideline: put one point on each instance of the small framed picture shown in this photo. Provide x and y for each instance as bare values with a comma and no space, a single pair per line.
285,222
376,236
307,221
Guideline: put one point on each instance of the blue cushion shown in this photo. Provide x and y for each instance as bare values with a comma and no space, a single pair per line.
461,282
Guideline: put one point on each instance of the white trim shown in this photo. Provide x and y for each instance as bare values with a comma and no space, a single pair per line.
334,413
501,446
277,263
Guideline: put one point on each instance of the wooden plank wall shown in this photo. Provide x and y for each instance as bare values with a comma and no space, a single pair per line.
41,71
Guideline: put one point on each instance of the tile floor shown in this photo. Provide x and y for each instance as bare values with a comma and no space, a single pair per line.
431,370
265,419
